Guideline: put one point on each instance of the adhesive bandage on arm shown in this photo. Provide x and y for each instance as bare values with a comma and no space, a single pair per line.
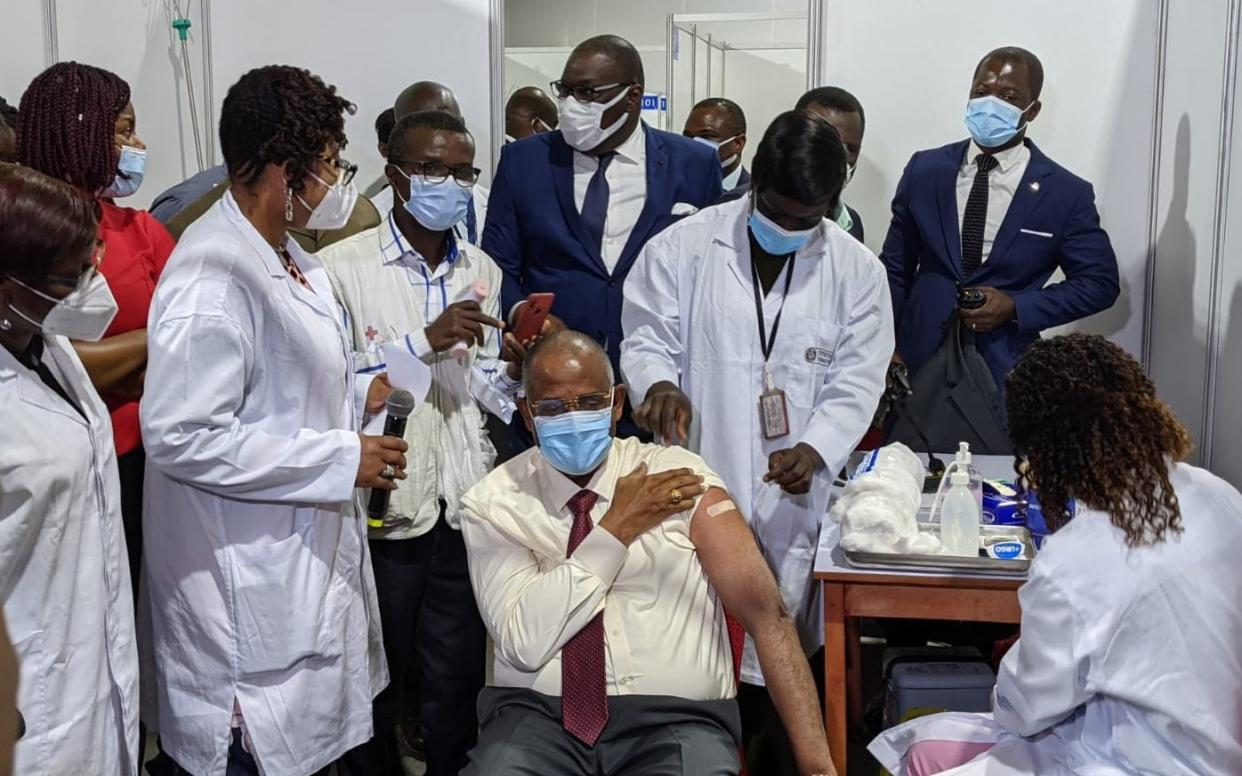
720,507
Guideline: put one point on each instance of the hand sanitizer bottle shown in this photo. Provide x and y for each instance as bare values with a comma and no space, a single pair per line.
959,518
963,461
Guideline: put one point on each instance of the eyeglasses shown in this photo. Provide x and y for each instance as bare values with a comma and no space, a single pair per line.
84,277
345,170
436,172
583,93
591,402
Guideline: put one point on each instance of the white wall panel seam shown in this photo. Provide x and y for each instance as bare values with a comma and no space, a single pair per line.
1153,198
1219,225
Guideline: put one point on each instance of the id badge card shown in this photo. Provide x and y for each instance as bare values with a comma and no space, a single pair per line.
773,415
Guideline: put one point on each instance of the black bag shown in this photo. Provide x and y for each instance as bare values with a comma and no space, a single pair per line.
955,400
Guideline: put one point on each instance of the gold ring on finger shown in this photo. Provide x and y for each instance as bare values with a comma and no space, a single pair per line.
389,472
675,496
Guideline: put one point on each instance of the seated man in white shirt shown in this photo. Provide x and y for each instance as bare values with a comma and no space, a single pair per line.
408,289
602,568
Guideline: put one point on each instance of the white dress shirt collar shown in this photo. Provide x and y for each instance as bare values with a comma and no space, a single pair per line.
730,181
395,248
1005,160
634,149
556,489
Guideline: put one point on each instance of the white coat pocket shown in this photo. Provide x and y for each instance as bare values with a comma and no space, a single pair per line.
809,353
281,594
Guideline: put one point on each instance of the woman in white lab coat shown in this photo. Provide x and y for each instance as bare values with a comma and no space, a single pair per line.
63,570
265,630
695,359
1129,658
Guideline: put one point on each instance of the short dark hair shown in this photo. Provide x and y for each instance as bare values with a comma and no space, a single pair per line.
737,119
42,220
619,50
1018,55
834,98
66,127
8,114
398,140
384,123
279,115
801,156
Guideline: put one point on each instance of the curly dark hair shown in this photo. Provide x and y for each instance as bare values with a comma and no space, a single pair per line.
1087,421
66,124
280,115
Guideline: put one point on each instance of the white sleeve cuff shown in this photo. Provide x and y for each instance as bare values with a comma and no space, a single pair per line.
416,343
601,554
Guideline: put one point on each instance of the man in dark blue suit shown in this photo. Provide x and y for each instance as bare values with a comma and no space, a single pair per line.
571,209
719,123
994,213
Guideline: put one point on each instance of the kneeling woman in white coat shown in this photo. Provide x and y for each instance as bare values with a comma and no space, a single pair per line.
262,599
63,570
1132,617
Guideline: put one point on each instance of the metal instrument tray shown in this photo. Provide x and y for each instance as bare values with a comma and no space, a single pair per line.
954,563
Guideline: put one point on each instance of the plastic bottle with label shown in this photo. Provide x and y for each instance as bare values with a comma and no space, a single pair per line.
959,518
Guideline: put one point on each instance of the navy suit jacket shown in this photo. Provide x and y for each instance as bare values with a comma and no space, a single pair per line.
535,234
1052,222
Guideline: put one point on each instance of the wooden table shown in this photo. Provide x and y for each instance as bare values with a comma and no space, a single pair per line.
852,593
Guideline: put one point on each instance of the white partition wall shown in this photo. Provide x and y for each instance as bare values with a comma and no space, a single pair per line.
370,49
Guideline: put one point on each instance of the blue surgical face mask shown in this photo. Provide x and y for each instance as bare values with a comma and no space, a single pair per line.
131,168
992,122
774,238
575,443
437,206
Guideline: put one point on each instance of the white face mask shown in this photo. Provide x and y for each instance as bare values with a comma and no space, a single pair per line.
579,121
724,163
83,315
131,168
334,209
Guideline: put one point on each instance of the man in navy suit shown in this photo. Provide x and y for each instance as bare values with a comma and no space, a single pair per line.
720,124
994,213
571,209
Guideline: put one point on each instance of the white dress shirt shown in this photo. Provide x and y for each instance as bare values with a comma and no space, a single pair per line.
689,318
664,629
390,295
730,181
1003,183
627,191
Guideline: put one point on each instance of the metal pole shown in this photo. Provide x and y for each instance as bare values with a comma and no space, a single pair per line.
670,42
694,67
51,42
816,20
709,66
209,101
496,82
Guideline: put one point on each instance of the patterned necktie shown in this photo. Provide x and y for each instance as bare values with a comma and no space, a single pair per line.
595,203
976,216
292,268
584,693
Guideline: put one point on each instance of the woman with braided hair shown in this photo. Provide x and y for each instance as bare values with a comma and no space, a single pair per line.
1130,659
76,123
266,636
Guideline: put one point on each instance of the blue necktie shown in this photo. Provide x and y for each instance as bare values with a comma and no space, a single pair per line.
595,204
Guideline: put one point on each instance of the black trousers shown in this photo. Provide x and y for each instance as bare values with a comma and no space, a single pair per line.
131,468
431,628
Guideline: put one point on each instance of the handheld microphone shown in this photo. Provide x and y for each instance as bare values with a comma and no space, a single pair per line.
400,405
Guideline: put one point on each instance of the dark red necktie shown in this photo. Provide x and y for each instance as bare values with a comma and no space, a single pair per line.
584,692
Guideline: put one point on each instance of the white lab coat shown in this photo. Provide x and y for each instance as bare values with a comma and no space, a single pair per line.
1129,660
689,317
64,573
260,581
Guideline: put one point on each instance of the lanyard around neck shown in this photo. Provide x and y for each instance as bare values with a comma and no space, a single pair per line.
767,342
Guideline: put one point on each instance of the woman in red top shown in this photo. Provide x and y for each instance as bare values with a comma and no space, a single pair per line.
76,123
